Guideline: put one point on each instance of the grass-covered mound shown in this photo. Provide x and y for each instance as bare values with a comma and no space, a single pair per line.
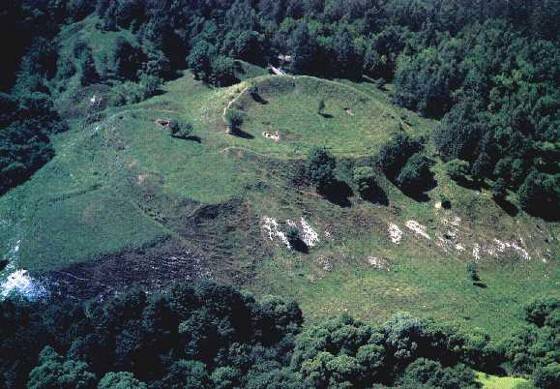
287,116
125,201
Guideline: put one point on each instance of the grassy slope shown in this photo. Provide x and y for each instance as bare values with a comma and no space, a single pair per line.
114,185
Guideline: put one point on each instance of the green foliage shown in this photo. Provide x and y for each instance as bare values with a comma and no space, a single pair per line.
54,372
416,176
293,235
180,129
395,153
304,49
472,271
200,59
534,349
320,168
445,202
120,380
540,194
235,119
226,377
364,179
538,311
223,71
321,106
499,189
457,169
433,375
209,335
460,131
25,125
187,374
426,81
547,377
130,92
124,61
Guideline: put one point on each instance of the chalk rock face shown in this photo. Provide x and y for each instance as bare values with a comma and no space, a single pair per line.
395,233
20,283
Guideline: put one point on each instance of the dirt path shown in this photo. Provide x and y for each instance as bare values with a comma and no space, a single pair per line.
228,106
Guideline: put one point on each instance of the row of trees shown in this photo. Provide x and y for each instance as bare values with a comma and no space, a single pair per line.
208,335
402,160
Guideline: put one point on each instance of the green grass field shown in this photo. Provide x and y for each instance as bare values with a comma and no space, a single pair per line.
493,382
123,183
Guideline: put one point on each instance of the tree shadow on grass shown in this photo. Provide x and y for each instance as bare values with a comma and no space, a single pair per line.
192,138
326,115
376,195
420,194
300,246
338,193
241,134
258,98
507,206
480,284
471,184
547,214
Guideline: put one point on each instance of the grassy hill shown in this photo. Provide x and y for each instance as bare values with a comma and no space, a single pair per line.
123,201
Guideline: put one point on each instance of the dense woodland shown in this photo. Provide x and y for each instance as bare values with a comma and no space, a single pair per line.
488,70
209,335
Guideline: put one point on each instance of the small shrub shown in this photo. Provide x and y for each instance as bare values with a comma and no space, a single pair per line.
539,195
472,271
320,168
364,179
180,130
395,153
235,118
457,169
321,107
416,176
293,235
499,189
445,202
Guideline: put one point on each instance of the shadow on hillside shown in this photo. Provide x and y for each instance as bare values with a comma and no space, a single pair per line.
472,184
300,246
376,195
420,194
258,98
241,134
508,207
338,193
547,214
326,115
480,284
192,138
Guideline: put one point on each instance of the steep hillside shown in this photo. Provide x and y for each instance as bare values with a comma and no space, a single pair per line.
124,201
